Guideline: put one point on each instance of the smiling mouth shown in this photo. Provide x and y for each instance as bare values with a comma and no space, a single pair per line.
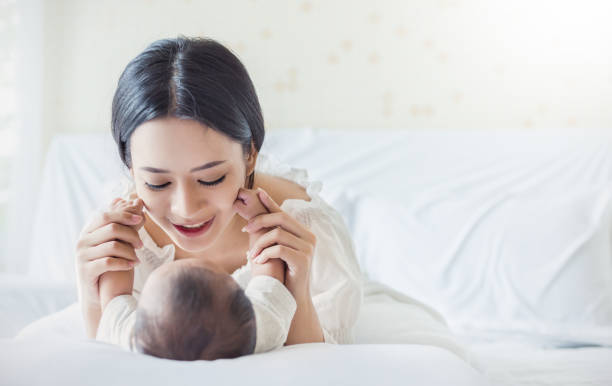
194,230
193,226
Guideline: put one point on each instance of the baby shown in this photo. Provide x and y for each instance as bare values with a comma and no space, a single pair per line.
188,309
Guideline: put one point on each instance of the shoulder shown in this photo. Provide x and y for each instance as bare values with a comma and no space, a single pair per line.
280,189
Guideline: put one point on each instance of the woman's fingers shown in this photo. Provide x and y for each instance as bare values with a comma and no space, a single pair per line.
283,220
112,248
271,220
113,231
294,259
109,263
268,202
278,236
104,218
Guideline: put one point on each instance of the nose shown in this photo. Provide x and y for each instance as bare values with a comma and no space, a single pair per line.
186,203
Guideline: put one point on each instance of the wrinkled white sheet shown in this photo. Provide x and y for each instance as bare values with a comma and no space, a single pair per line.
507,363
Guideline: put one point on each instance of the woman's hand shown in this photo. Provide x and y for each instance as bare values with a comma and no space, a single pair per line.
106,243
293,243
248,205
289,241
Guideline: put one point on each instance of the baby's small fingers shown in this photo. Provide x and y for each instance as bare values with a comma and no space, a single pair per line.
117,203
134,206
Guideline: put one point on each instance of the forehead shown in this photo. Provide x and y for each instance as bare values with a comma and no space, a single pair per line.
182,143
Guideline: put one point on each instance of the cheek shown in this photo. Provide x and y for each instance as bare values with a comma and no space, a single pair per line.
155,203
226,196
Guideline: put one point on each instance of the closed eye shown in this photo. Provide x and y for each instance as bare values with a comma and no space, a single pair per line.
205,183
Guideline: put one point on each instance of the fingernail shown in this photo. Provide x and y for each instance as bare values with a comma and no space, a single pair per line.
131,263
259,259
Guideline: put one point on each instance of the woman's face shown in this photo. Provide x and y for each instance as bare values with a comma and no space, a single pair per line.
187,174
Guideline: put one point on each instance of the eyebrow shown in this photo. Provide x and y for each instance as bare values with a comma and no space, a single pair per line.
201,167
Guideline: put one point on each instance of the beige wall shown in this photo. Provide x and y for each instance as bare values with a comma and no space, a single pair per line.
354,64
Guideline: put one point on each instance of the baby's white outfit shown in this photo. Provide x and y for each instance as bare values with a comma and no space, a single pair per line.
335,277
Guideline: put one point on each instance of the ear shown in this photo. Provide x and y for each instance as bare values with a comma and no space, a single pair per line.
251,160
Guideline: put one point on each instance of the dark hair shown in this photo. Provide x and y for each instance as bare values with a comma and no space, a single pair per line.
188,78
203,318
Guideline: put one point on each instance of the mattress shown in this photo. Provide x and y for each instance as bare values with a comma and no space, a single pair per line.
508,363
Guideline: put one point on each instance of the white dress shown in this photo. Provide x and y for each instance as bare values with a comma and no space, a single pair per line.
335,278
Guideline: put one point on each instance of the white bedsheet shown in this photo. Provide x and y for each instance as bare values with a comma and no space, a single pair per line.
411,343
507,363
380,358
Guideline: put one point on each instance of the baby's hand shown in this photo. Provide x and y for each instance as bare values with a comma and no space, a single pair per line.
135,206
248,205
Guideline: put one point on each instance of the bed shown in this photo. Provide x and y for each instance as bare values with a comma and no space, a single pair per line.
505,233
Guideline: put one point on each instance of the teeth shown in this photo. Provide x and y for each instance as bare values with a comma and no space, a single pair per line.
193,226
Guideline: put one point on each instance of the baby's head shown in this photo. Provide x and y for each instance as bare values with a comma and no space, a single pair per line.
188,311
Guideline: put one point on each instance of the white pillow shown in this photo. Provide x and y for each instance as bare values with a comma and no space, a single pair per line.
535,264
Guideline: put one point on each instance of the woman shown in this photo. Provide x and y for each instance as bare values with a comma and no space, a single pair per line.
189,127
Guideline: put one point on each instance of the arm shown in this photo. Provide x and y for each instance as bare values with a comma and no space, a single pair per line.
98,252
248,205
91,315
291,241
117,304
333,304
113,284
273,267
305,326
273,304
274,308
116,283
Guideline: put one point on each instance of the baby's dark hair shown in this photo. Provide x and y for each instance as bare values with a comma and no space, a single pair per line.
202,318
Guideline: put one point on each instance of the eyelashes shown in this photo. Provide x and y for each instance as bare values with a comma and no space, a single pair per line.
205,183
